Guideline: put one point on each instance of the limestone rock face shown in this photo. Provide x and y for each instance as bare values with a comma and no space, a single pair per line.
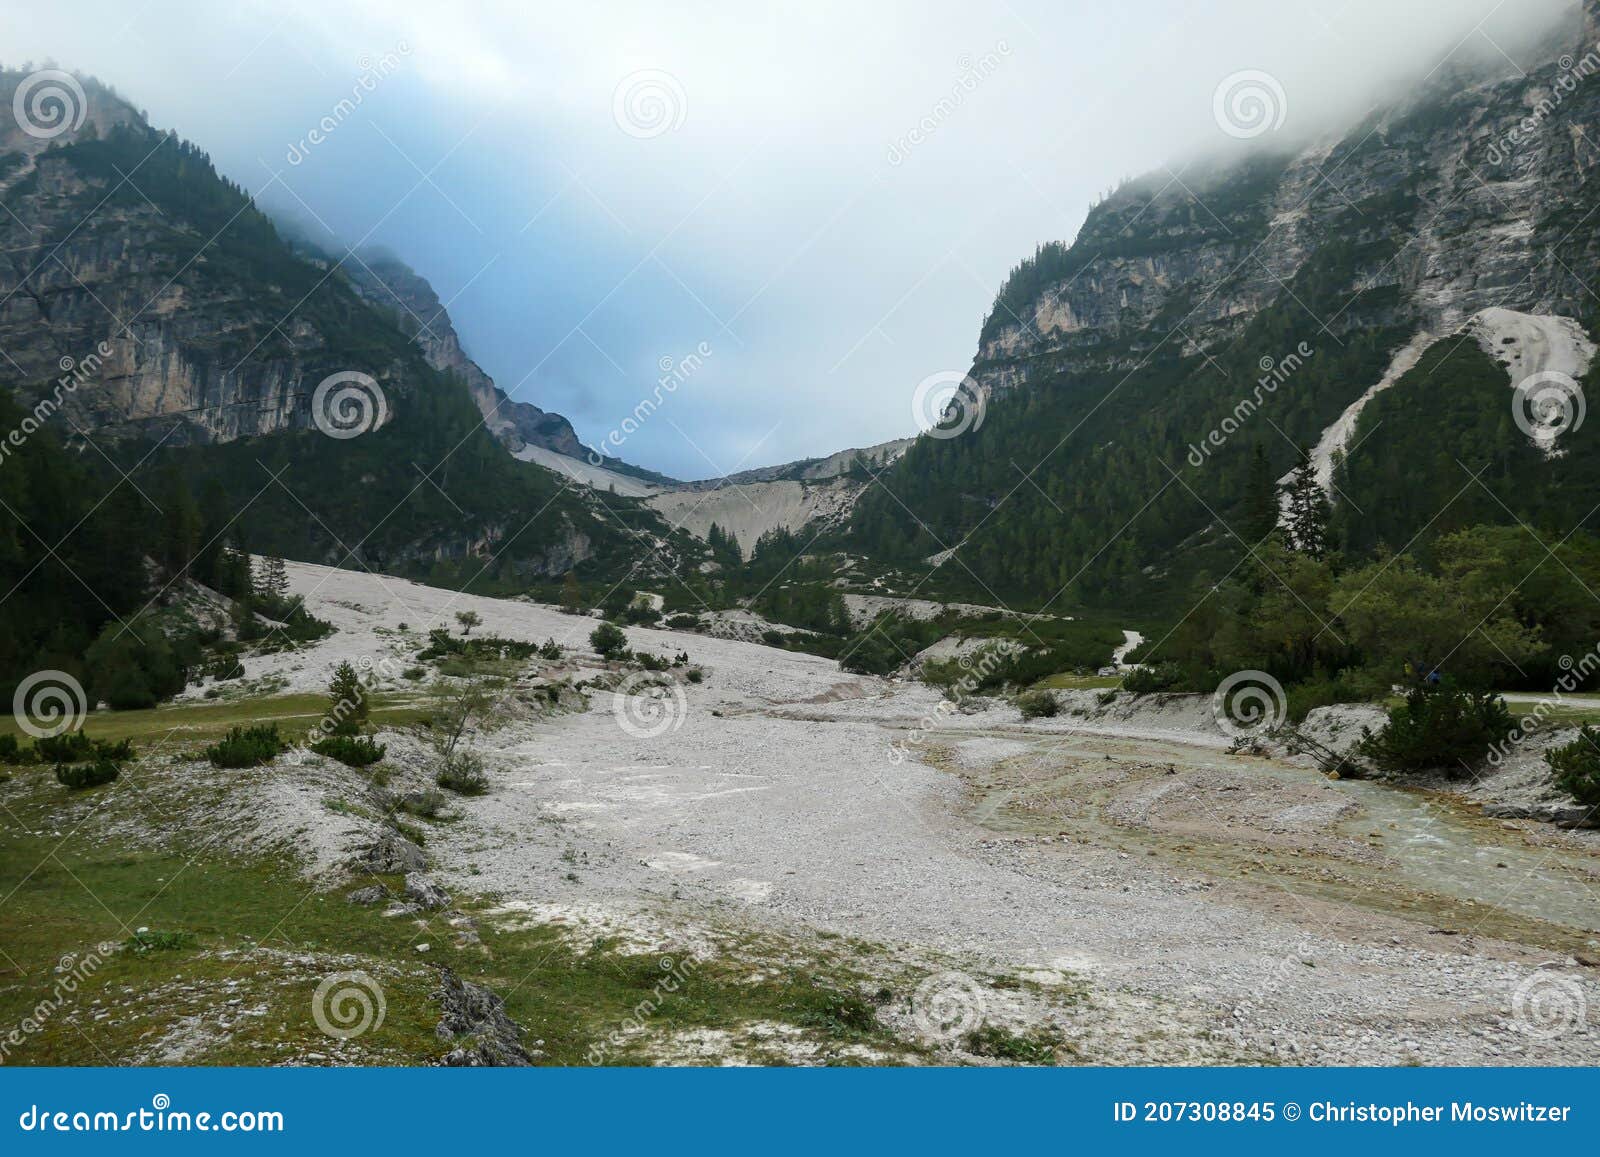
1474,174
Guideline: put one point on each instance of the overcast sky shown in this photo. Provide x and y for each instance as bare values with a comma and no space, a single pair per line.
597,187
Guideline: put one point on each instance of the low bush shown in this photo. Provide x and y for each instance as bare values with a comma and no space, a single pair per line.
652,662
78,776
225,666
1037,704
13,752
428,805
462,772
1148,680
145,941
1577,766
695,675
350,750
991,1040
76,747
1326,690
247,747
608,640
550,651
1438,726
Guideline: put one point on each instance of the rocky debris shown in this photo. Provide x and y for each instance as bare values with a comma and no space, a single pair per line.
373,894
1565,817
475,1019
424,893
393,853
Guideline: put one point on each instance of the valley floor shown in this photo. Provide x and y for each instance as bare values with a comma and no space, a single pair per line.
1112,893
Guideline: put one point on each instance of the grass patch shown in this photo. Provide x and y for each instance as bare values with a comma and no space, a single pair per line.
1067,681
1038,1047
238,931
297,713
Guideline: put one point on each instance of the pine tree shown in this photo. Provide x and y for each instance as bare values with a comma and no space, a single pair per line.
274,580
1306,510
1260,499
347,701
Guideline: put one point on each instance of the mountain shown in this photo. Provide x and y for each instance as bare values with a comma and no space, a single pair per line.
151,315
1375,295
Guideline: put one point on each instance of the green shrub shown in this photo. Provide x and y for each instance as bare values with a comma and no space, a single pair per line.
1037,704
225,666
145,941
835,1012
652,662
76,746
684,622
1326,690
350,750
462,772
427,804
1036,1048
78,776
13,752
247,747
1577,766
1148,680
1438,726
695,675
608,640
550,650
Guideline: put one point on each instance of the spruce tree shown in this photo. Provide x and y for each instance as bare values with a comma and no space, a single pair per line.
1260,499
347,701
1306,510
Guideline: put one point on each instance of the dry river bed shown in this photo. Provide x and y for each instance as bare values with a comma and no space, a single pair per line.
1218,907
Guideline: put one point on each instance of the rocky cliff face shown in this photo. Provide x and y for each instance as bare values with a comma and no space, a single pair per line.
1459,199
145,294
1214,315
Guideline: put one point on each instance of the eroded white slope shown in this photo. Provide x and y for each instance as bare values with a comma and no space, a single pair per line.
1336,438
584,473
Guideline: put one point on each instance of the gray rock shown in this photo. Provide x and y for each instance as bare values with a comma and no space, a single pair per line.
373,894
424,893
394,853
476,1020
